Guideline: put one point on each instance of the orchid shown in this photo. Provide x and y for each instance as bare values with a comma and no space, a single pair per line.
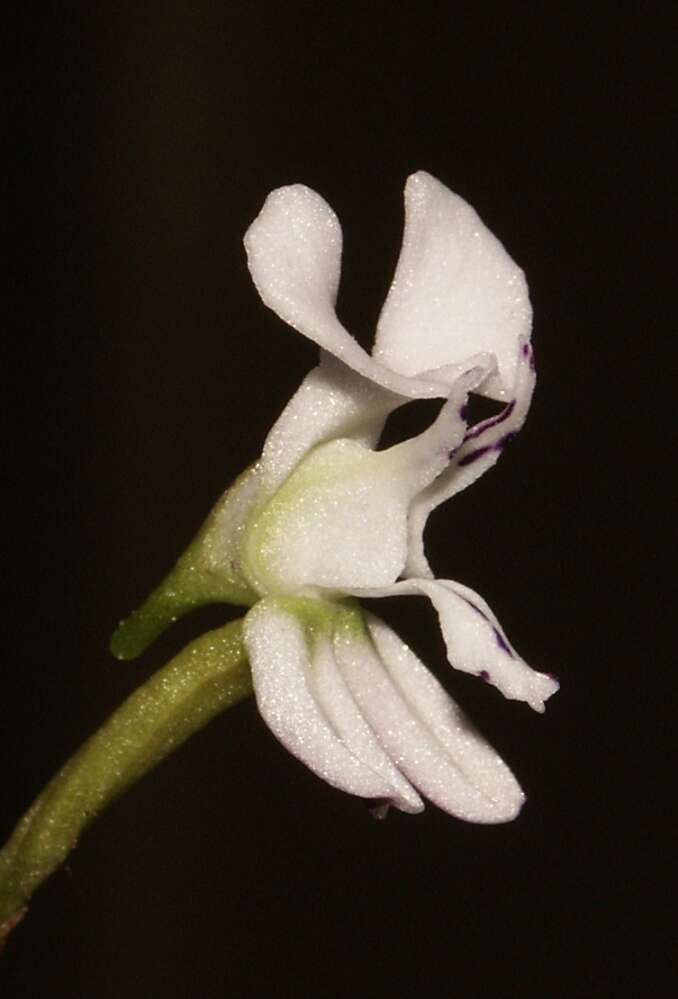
324,517
324,521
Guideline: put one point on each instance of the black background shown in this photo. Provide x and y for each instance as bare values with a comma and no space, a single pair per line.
146,376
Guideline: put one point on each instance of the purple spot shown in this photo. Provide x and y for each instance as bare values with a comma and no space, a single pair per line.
468,459
526,349
498,637
501,642
463,412
484,676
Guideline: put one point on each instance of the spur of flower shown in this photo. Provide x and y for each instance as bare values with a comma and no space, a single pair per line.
325,520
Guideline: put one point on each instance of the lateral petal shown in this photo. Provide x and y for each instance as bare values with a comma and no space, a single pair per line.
455,291
294,255
281,661
345,717
422,730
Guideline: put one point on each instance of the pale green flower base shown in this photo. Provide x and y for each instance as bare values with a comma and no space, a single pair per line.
208,676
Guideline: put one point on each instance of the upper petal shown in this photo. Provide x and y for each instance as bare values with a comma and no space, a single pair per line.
455,292
294,255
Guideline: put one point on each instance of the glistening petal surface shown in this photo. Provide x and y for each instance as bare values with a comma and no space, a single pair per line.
407,731
332,401
341,710
455,291
480,450
340,520
481,764
280,658
475,641
294,255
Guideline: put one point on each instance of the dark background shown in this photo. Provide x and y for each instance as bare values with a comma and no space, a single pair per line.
146,375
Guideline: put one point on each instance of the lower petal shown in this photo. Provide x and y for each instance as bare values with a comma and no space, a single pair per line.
422,730
280,658
345,717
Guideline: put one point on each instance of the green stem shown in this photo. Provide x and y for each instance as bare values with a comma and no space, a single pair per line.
209,675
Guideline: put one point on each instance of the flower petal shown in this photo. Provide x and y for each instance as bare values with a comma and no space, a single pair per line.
475,640
455,292
332,401
422,729
344,715
281,661
340,520
294,255
480,450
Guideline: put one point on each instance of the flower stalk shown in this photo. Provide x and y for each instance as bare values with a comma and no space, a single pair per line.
208,676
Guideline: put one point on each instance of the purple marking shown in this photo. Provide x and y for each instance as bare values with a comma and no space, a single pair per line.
494,421
501,642
498,637
468,459
473,606
484,676
463,412
526,349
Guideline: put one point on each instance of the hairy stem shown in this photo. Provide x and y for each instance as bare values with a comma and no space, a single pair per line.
206,677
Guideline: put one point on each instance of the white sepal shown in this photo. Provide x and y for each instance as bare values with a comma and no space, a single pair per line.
294,256
422,730
455,292
280,658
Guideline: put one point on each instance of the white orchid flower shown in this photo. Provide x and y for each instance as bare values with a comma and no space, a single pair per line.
324,517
